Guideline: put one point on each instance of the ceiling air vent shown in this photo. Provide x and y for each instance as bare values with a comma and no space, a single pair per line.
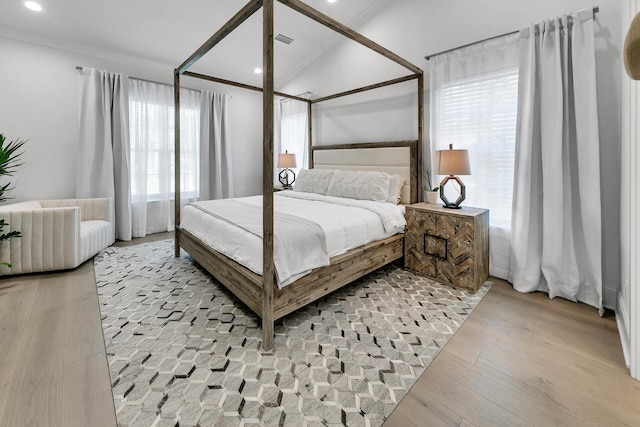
284,39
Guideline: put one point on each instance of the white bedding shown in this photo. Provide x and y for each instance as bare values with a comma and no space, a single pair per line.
347,224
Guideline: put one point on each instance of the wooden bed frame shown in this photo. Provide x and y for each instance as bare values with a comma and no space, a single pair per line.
261,293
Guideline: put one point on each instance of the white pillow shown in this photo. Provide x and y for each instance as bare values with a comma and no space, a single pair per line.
313,180
395,189
363,185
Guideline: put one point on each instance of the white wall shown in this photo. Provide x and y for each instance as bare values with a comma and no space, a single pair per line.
39,101
416,28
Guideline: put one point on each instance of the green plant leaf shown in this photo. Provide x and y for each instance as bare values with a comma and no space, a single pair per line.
10,235
10,155
9,160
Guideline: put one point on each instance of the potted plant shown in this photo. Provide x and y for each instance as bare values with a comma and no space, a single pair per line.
9,161
431,193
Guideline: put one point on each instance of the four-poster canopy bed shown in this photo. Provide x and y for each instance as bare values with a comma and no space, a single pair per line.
261,292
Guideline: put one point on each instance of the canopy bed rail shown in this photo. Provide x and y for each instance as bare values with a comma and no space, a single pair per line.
247,285
261,293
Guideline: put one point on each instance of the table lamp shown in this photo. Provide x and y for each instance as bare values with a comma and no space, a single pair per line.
286,161
452,162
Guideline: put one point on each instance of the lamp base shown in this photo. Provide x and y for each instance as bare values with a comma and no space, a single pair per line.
452,205
283,177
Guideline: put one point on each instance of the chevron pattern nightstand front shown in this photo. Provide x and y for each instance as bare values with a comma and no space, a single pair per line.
449,245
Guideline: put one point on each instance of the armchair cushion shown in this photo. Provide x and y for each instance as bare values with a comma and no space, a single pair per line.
55,234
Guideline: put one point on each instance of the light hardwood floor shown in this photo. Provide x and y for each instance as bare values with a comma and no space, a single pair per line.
520,359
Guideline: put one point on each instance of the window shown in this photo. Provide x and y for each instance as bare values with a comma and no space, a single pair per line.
151,124
478,113
292,134
293,129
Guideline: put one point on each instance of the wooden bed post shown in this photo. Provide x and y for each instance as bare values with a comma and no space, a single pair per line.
310,130
268,273
176,112
420,133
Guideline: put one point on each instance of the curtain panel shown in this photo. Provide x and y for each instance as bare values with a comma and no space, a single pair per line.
216,174
556,241
473,104
152,153
103,167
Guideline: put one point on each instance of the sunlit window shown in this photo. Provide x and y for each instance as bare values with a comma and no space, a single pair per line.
478,113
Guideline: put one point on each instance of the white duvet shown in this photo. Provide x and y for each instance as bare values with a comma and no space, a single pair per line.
346,223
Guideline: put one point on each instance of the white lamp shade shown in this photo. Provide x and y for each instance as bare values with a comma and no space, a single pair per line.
452,162
286,160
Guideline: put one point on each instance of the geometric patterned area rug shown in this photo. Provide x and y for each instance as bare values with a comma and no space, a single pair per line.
183,351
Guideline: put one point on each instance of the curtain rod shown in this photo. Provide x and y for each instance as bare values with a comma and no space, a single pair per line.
79,68
596,9
308,94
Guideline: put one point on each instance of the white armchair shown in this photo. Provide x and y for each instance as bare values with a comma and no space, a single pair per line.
56,234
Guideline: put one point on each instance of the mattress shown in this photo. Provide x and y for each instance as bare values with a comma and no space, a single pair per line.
344,223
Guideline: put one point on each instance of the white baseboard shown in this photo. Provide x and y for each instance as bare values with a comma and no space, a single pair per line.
610,298
622,320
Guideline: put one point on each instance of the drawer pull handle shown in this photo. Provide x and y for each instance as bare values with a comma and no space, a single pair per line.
436,246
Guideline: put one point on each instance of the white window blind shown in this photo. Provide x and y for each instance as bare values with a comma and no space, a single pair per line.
189,150
478,113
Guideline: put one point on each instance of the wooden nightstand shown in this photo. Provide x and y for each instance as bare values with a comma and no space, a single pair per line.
448,245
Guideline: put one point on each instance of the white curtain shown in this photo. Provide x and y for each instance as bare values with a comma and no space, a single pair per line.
103,153
556,226
152,154
473,103
216,177
291,133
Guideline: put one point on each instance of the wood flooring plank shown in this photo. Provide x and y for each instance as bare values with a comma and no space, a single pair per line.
555,310
468,341
591,335
574,382
558,385
533,300
87,399
81,282
418,408
474,407
507,392
51,294
84,337
36,388
599,344
16,303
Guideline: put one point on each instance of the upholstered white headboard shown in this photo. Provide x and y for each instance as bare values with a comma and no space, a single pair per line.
384,157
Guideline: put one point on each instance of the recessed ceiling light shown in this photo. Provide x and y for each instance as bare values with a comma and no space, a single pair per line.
33,6
331,1
257,70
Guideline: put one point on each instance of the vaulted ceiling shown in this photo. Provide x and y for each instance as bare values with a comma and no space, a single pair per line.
168,31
